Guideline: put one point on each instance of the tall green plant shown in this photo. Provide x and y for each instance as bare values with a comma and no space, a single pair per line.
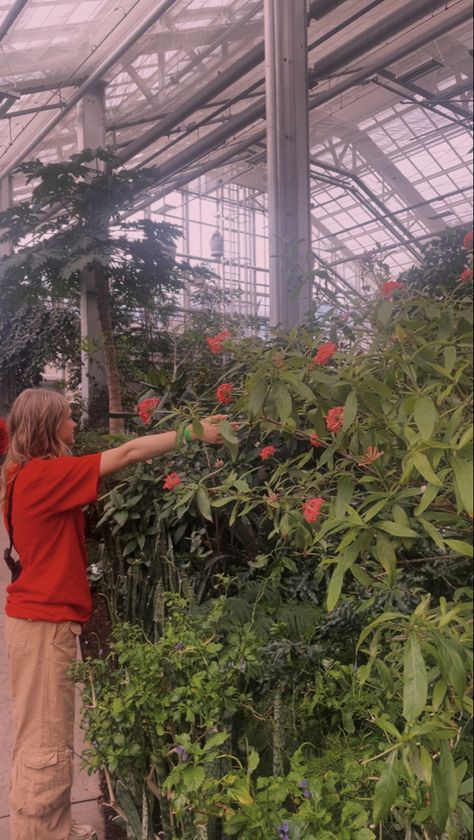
337,527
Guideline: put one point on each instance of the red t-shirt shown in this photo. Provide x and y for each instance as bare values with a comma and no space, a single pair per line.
48,531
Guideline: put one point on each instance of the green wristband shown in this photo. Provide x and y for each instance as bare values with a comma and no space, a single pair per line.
187,435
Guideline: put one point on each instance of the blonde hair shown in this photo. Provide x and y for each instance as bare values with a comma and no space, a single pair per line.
33,426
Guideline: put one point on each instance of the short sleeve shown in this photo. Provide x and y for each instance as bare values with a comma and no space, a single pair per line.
68,482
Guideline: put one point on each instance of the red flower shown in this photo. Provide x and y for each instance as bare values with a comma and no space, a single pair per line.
373,454
171,481
146,409
466,276
314,440
3,437
267,452
312,509
468,240
325,353
390,287
215,344
335,419
224,393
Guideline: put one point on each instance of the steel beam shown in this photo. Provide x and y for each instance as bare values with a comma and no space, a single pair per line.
11,17
256,111
96,76
286,65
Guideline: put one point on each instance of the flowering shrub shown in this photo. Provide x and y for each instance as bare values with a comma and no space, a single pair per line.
315,680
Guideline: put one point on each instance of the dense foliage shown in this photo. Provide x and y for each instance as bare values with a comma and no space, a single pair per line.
292,656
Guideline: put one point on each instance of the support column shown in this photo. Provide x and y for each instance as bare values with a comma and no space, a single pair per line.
286,66
91,135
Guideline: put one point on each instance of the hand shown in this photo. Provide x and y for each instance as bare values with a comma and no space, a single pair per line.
210,429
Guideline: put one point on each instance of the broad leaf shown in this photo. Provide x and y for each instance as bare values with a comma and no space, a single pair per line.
415,680
425,416
386,788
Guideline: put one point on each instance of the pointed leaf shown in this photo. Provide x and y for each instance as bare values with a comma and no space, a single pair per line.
415,680
350,410
439,798
386,788
204,503
425,416
464,482
425,469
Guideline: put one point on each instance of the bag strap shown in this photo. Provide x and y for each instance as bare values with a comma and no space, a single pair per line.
10,509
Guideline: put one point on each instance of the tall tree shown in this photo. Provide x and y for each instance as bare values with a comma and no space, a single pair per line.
72,224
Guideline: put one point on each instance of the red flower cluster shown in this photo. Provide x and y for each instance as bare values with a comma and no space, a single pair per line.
335,419
466,276
468,240
171,481
267,452
314,440
215,344
3,437
390,287
225,393
325,353
146,409
312,509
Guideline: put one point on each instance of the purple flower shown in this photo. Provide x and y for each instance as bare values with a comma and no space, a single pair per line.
283,831
179,646
305,788
181,752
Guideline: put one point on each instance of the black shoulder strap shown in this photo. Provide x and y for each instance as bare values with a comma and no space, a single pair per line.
13,565
10,508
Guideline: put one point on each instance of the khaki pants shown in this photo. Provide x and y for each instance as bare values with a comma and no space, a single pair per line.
40,654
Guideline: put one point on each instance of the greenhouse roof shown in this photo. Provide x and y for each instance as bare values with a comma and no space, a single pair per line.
390,104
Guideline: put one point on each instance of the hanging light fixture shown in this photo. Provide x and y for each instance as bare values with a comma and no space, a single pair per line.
217,245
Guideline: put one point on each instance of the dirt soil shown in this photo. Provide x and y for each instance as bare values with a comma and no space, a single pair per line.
95,644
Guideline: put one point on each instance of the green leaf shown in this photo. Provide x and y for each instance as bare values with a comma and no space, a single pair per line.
395,529
350,410
204,503
257,397
121,516
386,788
345,491
253,761
439,798
425,416
193,777
433,532
464,482
448,771
415,680
427,499
227,432
283,401
451,663
461,547
386,556
425,469
335,585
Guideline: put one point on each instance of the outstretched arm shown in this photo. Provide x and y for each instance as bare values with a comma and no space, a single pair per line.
153,446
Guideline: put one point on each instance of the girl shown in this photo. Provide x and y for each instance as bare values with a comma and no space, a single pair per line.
43,490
